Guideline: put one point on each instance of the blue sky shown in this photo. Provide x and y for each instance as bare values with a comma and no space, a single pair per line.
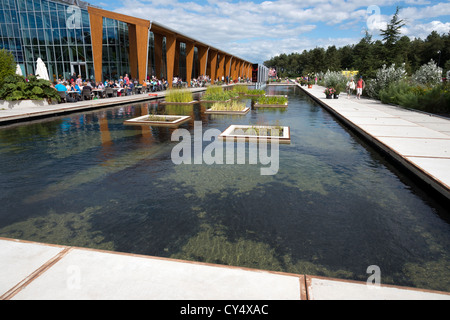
258,30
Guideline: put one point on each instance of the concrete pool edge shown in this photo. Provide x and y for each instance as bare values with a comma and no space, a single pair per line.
432,180
37,271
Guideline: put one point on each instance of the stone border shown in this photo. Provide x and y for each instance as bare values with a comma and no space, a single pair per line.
257,105
166,103
243,112
178,120
228,133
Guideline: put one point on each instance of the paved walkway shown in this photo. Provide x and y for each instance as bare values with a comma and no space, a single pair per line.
38,271
418,140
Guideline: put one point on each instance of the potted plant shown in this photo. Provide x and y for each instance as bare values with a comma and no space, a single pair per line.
310,83
329,92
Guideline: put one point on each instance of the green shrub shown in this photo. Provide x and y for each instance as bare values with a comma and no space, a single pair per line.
15,87
434,99
7,64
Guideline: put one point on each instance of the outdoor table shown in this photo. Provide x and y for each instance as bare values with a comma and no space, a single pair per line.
98,92
72,94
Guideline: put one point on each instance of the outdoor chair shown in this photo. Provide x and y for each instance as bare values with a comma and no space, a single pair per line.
63,96
86,93
109,92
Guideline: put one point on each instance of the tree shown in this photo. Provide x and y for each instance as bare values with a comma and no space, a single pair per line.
391,35
392,32
7,64
332,59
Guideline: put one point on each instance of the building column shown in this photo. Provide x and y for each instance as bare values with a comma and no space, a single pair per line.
233,69
203,58
176,66
189,61
96,22
221,70
132,52
171,41
213,66
158,54
227,66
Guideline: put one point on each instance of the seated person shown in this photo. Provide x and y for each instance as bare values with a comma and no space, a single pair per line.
60,87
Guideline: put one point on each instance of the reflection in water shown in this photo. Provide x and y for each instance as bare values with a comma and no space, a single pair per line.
334,207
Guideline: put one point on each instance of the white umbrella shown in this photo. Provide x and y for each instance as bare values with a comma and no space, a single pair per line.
41,70
19,70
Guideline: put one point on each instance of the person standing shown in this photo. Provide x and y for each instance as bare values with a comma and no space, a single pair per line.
350,88
360,85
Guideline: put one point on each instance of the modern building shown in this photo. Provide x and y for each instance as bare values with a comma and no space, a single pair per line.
72,36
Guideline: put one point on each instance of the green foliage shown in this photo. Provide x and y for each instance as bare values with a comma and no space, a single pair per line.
336,80
255,92
7,65
179,95
367,56
216,93
234,105
272,100
240,88
434,99
15,87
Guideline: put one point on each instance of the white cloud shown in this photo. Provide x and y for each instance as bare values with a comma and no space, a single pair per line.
257,31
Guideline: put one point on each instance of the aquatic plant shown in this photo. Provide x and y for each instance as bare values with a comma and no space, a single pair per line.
281,100
179,95
259,92
216,93
234,105
240,88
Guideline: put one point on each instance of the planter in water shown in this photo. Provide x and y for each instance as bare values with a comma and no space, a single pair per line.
158,120
250,133
241,112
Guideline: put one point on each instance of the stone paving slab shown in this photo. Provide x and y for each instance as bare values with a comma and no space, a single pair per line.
334,289
39,271
36,271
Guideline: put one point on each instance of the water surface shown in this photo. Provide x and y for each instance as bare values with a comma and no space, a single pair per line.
334,208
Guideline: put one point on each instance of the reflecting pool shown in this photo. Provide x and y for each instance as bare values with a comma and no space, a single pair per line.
334,208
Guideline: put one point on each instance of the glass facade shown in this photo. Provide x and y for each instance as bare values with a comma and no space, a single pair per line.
59,33
115,49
